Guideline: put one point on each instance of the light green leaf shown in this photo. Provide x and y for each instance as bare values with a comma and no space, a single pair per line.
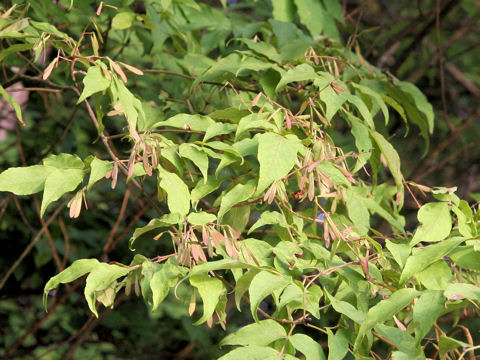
101,277
242,285
401,339
376,97
436,276
254,121
363,141
178,196
337,344
385,310
94,82
262,333
25,180
448,344
277,156
393,162
253,353
399,252
461,291
203,189
262,285
73,272
197,156
308,347
283,10
58,183
301,72
425,312
161,283
222,264
312,15
230,114
99,168
420,100
218,128
11,100
269,218
131,106
435,223
165,221
466,257
210,290
362,109
237,217
64,161
425,256
201,218
123,20
187,122
346,309
236,195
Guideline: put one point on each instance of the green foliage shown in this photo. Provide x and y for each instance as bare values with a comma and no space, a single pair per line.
248,141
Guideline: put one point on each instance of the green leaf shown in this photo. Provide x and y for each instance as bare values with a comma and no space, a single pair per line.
447,344
425,256
425,312
64,161
254,121
404,342
262,333
210,290
337,344
393,162
312,15
187,122
200,218
11,100
178,196
222,264
203,189
262,285
165,221
462,291
269,218
253,353
237,217
101,277
400,252
242,285
376,97
25,180
218,129
99,168
161,283
236,195
436,276
466,257
94,82
346,309
435,223
277,155
73,272
363,141
283,10
123,20
308,347
421,102
58,183
197,156
301,72
385,310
